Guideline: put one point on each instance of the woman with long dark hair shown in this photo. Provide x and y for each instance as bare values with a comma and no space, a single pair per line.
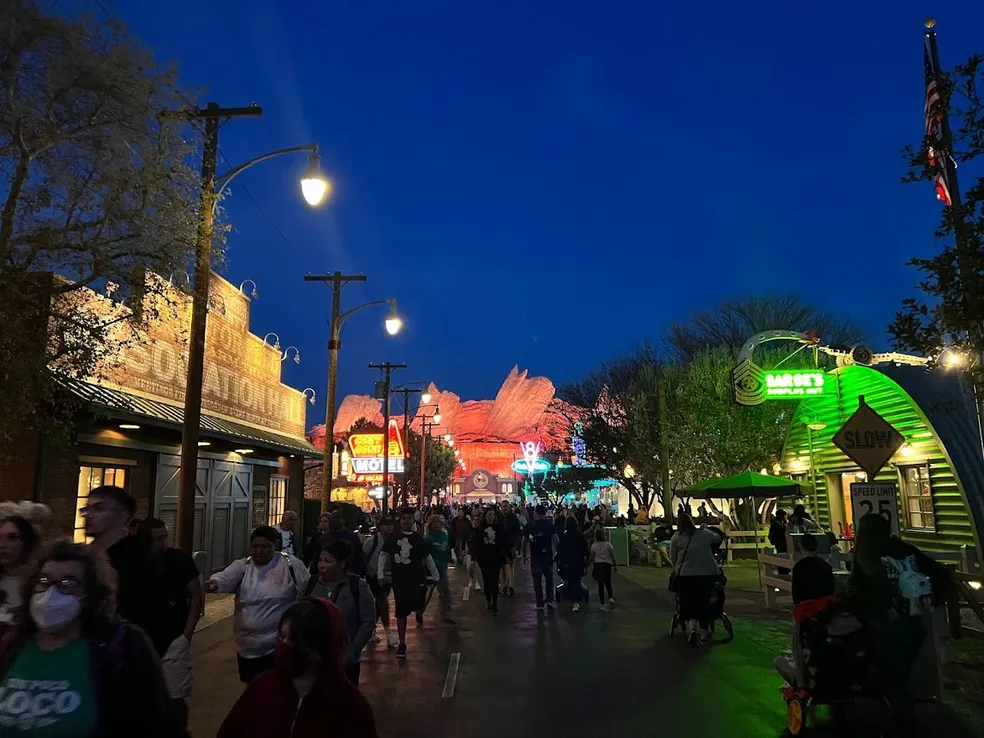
101,676
18,541
490,553
694,572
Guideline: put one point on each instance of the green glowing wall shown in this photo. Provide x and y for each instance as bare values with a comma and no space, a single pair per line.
954,526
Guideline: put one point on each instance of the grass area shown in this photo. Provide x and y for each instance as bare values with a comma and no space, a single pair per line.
963,678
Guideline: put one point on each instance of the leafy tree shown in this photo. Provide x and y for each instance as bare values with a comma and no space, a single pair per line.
575,480
950,310
360,425
96,186
733,322
620,421
439,466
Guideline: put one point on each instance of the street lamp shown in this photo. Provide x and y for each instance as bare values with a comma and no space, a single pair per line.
315,187
393,320
212,187
336,281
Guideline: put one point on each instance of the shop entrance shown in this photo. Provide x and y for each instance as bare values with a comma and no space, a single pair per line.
222,506
839,499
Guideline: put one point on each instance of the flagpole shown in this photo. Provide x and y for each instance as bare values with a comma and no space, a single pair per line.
960,231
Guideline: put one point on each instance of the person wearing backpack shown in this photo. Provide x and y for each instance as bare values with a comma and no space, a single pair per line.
266,583
371,550
350,594
892,585
72,667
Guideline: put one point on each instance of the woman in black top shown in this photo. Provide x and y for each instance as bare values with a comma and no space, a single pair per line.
488,542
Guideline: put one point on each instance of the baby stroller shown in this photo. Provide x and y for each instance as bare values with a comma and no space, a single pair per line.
828,665
717,600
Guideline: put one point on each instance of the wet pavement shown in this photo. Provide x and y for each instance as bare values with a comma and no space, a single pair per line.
555,673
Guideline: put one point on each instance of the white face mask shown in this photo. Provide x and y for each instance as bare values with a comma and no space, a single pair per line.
51,610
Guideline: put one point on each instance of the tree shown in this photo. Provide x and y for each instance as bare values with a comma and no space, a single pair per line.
620,421
950,310
733,322
97,187
439,466
569,480
361,425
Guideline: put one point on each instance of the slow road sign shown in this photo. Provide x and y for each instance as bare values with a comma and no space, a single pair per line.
868,439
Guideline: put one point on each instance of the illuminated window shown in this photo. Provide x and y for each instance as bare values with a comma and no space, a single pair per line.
91,477
917,498
278,500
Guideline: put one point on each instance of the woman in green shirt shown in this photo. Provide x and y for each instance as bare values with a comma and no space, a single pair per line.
439,547
72,668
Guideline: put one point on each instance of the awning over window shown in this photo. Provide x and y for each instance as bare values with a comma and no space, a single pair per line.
123,406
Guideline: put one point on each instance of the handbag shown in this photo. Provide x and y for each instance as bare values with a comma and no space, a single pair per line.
673,584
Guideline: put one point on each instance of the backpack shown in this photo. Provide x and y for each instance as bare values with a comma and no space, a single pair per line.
913,586
353,582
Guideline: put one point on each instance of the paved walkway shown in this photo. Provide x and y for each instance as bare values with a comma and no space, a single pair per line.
529,673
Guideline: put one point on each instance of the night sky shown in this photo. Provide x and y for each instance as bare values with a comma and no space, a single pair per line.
549,183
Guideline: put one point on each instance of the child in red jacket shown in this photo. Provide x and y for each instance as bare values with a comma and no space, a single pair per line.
296,699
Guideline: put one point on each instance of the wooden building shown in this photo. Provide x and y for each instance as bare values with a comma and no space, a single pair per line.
939,470
127,431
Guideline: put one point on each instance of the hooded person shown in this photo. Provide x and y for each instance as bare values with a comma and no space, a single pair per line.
307,695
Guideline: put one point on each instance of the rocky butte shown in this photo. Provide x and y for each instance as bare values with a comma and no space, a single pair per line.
486,432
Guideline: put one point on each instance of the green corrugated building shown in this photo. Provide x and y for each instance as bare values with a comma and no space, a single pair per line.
939,471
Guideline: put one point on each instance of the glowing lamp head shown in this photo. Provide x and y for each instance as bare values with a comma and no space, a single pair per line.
425,397
315,187
393,321
954,359
437,417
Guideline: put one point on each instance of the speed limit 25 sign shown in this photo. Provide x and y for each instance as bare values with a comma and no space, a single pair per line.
882,499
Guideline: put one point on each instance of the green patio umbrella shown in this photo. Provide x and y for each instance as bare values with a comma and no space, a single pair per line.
746,484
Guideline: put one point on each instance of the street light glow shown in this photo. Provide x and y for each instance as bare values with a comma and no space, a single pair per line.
437,417
425,397
393,321
315,187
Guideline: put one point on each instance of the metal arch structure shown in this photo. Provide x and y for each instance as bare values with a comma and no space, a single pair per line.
746,377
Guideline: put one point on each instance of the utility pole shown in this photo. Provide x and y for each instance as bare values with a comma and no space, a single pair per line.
387,368
212,115
425,430
664,453
406,392
336,281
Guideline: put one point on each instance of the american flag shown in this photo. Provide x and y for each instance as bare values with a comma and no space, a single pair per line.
933,110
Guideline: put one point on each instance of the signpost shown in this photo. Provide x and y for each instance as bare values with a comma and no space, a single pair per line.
868,439
882,499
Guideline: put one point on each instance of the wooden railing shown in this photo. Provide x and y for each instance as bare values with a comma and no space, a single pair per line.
744,540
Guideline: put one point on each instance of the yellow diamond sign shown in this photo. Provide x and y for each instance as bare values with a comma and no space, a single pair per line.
868,439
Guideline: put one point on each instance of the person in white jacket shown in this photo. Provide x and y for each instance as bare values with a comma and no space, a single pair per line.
266,583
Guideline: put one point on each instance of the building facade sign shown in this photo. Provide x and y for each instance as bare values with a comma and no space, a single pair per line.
241,380
369,445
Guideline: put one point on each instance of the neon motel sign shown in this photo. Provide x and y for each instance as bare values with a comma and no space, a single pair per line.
531,462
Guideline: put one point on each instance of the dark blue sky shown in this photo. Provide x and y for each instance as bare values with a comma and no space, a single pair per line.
548,183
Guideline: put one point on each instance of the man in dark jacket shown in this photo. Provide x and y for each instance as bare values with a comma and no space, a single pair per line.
336,532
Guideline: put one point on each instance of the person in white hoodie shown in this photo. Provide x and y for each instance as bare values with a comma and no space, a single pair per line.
266,583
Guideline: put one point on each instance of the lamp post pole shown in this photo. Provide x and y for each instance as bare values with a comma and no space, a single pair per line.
425,429
387,368
188,475
336,281
406,392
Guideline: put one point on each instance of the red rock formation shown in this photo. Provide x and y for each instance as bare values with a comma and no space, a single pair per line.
486,432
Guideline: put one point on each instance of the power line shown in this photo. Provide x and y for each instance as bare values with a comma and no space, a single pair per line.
258,206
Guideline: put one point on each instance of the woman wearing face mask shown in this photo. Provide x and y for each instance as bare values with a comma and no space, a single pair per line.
73,669
266,583
308,694
18,540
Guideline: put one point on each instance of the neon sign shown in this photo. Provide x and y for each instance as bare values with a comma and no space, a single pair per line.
792,383
531,463
577,445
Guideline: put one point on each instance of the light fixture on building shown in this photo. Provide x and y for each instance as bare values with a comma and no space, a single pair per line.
204,443
297,354
907,449
244,451
129,426
313,394
276,340
254,294
816,426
